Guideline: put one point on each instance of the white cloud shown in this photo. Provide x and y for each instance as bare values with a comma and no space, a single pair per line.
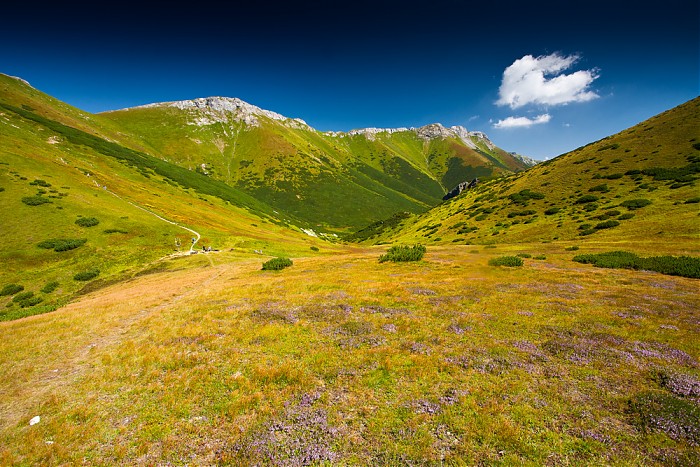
520,122
541,80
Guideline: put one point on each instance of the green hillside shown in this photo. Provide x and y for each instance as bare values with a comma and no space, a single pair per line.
323,181
640,185
74,202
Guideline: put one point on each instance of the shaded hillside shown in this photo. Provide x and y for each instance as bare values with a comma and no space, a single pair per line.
326,180
641,183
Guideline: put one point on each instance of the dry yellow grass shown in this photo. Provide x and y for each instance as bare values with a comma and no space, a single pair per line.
351,361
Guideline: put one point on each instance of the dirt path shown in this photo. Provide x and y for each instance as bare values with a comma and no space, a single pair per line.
197,235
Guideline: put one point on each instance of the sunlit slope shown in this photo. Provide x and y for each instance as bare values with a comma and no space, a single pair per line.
75,203
327,180
640,184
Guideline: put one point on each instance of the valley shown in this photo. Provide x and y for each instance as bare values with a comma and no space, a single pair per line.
500,346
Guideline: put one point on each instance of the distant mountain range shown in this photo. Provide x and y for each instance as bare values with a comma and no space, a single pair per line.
324,180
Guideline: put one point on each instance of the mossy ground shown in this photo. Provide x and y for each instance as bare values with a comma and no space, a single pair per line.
348,361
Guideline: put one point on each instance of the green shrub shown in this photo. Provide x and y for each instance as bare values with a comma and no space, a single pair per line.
62,244
572,248
693,200
626,216
527,212
87,221
23,296
524,255
275,264
635,203
50,287
401,253
606,225
35,200
510,261
314,248
2,188
11,289
685,266
585,232
523,196
27,299
586,199
111,231
87,275
602,188
551,211
39,182
540,257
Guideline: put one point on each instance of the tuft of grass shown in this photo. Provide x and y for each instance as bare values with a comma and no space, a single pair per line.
400,253
11,289
509,261
111,231
276,264
87,221
86,275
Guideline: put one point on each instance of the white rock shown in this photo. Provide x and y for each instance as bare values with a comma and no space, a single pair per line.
34,420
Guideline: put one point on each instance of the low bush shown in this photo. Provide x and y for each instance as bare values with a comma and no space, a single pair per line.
87,221
39,182
551,211
572,248
22,296
540,257
401,253
606,225
626,216
693,200
314,248
510,261
11,289
35,200
50,287
586,199
62,244
635,203
524,255
87,275
275,264
111,231
685,266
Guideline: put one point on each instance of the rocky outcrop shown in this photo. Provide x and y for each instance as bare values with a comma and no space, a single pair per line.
210,110
460,188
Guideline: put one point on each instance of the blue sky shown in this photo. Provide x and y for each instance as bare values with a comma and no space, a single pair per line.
540,78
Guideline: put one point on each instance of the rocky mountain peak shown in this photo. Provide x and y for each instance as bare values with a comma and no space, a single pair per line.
210,110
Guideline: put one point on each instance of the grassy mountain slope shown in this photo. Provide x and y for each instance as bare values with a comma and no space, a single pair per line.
323,180
640,184
56,178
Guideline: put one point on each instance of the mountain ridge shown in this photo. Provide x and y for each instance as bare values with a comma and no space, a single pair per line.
218,105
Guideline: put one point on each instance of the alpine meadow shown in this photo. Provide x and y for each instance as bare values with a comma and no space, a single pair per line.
205,282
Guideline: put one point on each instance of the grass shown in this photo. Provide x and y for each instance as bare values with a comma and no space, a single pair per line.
444,361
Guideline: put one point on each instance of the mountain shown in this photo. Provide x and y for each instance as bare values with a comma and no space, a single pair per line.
324,181
639,182
78,194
